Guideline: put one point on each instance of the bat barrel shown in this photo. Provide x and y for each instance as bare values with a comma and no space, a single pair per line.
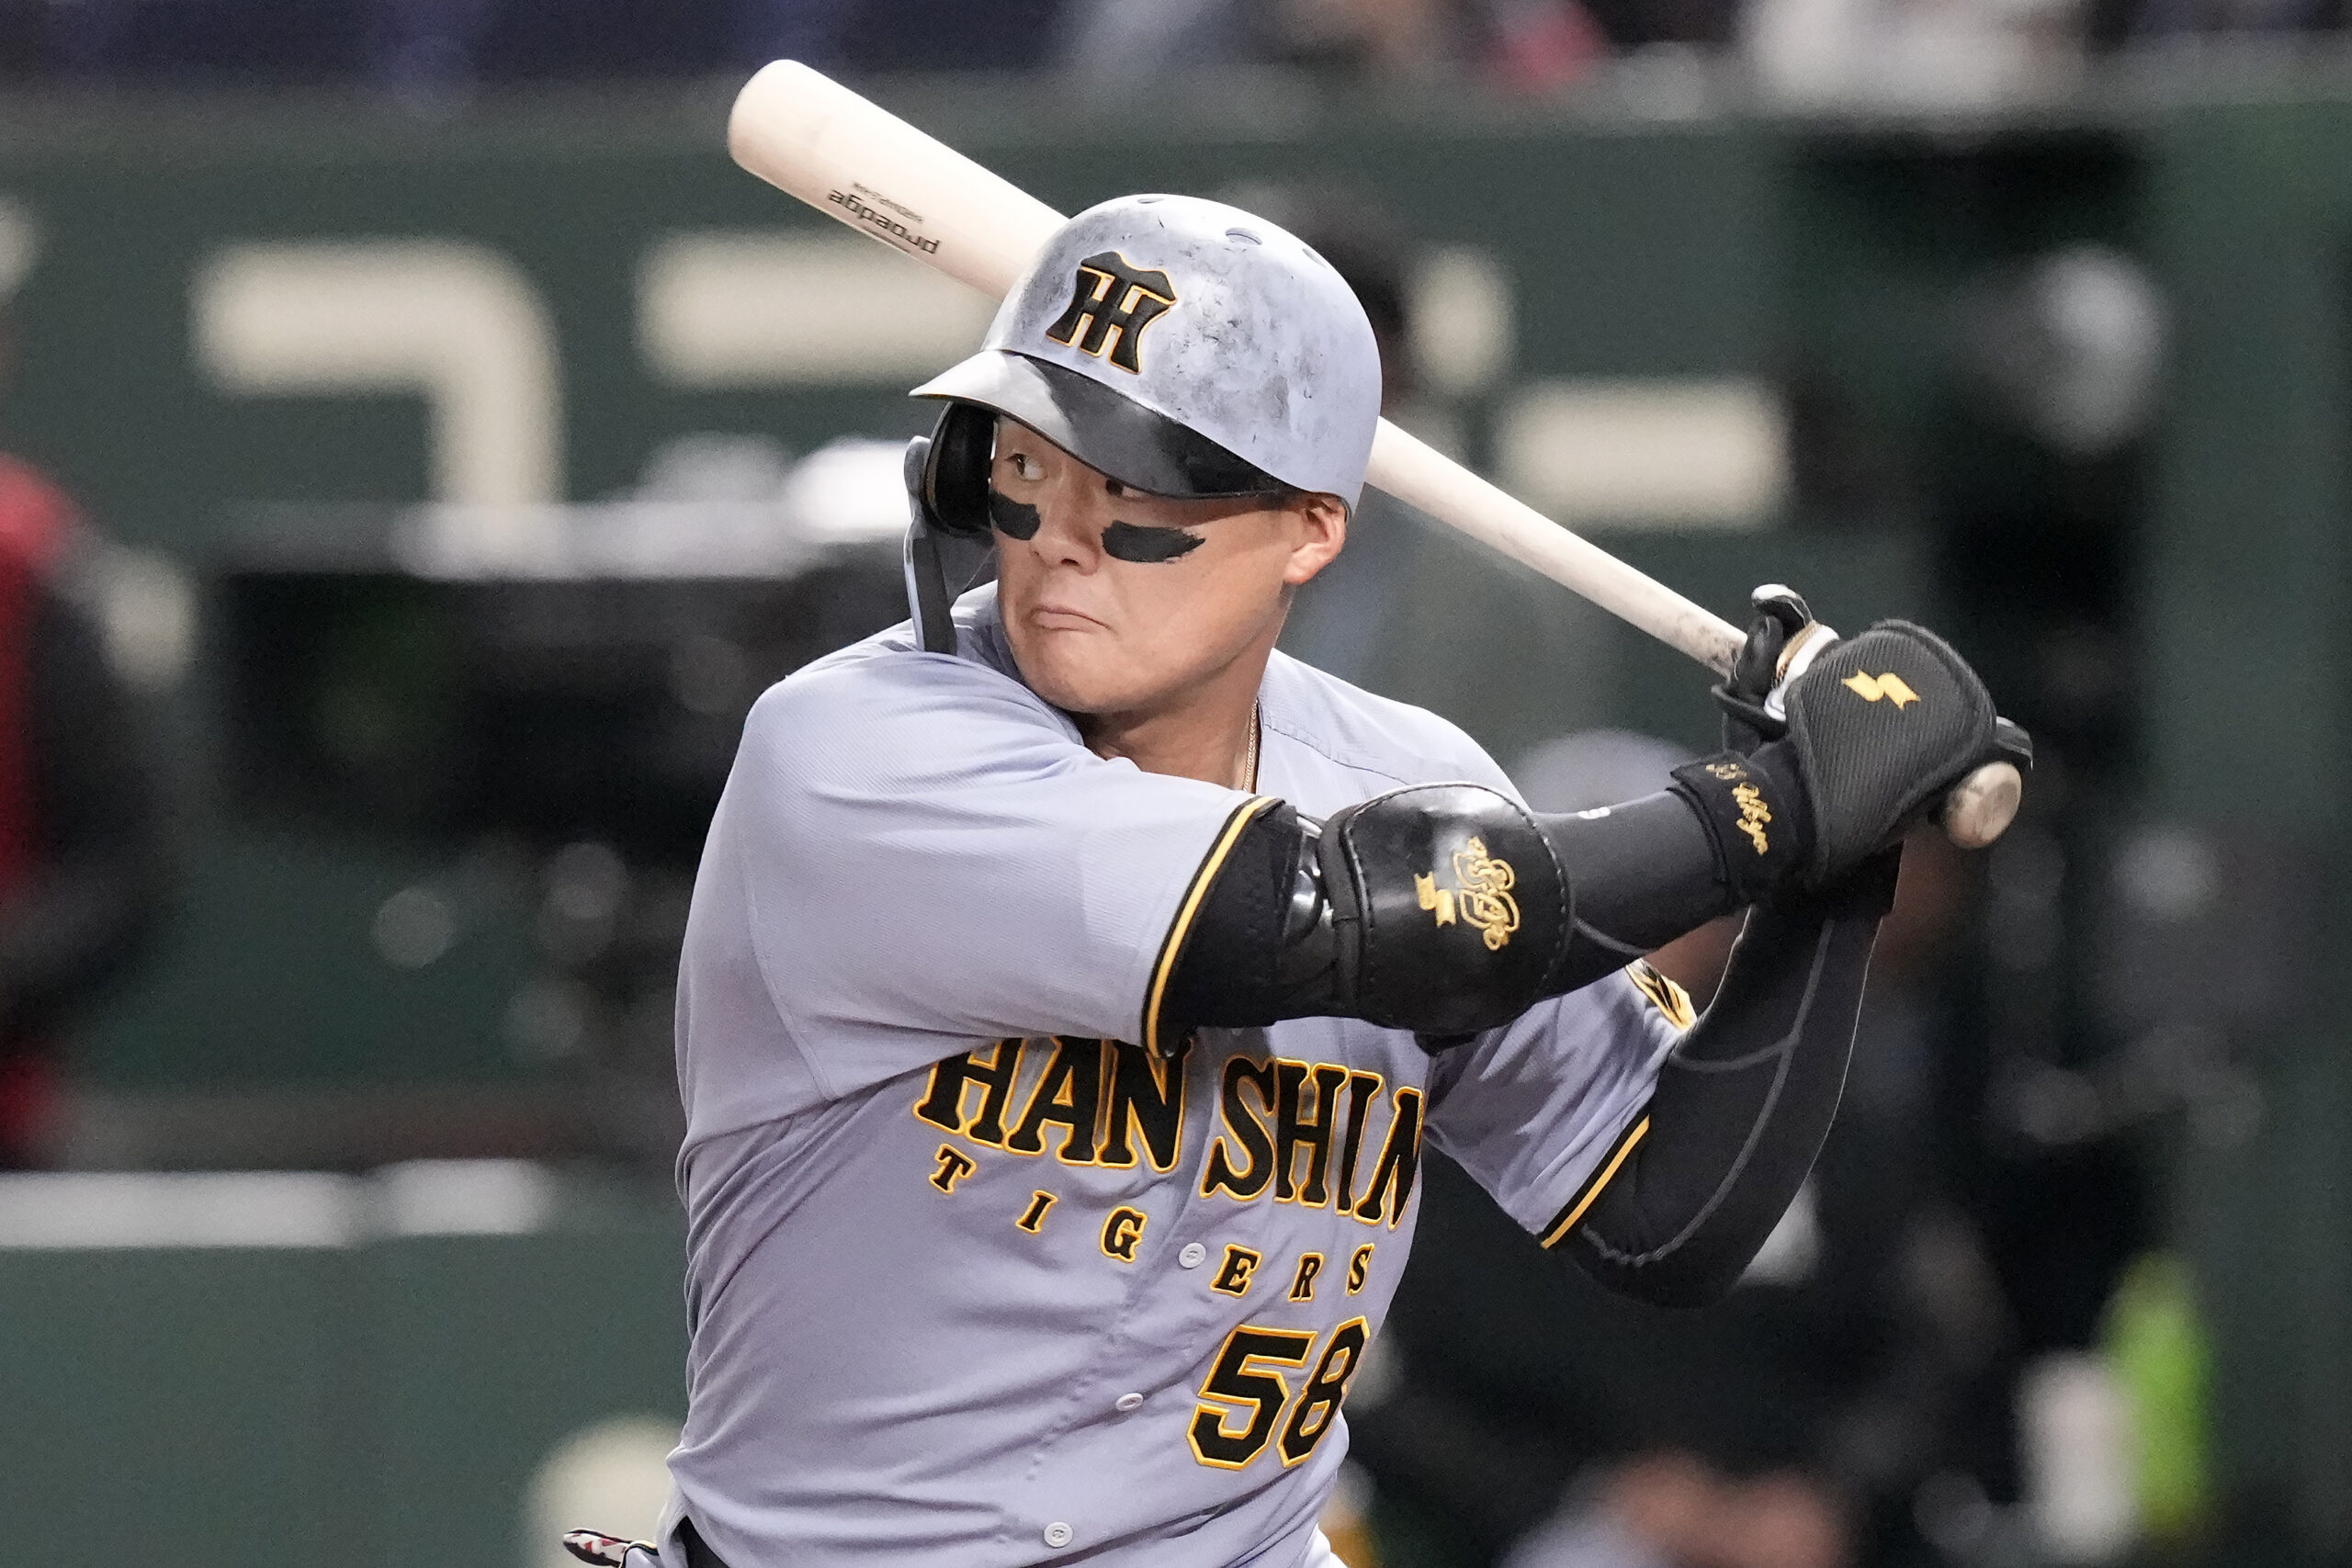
810,136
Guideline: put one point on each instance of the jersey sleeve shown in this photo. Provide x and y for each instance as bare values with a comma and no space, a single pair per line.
1541,1111
928,856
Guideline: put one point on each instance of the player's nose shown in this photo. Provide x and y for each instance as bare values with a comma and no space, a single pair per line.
1069,532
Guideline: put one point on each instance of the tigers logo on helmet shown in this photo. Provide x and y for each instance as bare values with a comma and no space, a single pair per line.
1115,300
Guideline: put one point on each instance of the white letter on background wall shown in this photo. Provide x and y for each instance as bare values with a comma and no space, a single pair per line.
458,324
763,310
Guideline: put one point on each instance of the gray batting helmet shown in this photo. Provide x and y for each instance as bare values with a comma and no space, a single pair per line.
1183,347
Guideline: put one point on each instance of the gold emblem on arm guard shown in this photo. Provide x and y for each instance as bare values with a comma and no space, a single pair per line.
1483,899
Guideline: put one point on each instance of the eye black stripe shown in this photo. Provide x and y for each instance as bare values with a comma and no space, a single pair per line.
1133,542
1015,519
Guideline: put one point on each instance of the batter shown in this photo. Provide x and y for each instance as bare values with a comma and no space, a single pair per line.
1075,985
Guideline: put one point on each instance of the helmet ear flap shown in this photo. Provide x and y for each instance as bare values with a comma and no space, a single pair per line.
956,475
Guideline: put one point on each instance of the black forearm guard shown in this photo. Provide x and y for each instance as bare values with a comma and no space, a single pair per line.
1676,1212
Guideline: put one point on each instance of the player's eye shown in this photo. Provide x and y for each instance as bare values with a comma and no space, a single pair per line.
1026,466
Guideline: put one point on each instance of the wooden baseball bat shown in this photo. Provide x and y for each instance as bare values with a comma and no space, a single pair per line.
806,134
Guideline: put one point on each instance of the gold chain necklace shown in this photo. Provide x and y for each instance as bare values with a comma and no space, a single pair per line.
1249,768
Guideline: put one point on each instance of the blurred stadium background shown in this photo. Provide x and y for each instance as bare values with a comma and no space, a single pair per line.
462,442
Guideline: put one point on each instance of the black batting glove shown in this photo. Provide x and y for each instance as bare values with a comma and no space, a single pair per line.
1881,727
1753,806
1756,817
1834,748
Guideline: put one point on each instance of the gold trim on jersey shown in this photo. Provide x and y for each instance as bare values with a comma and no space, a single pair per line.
1567,1222
1664,994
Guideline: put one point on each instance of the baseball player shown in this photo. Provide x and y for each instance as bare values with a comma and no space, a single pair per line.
1073,982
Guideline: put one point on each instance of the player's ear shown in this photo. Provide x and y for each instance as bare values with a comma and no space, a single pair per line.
1320,529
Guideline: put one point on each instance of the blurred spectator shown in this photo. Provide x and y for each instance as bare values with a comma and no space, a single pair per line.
81,861
864,36
428,49
1533,1417
1931,52
813,31
427,46
272,40
432,48
412,46
1671,1510
2150,20
1915,53
1528,45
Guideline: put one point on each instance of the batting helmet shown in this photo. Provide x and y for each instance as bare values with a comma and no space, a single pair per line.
1183,347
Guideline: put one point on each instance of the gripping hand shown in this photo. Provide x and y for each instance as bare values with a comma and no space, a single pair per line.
1847,740
1881,727
1781,636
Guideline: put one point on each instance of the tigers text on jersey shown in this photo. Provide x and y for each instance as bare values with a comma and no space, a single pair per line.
973,1278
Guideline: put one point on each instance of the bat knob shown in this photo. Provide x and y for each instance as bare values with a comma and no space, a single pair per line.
1981,806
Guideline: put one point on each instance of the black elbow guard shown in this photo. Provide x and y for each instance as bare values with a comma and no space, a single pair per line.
1449,911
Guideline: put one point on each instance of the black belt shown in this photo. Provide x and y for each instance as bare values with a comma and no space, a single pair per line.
698,1554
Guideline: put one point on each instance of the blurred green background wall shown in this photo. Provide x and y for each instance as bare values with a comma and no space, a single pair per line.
318,1381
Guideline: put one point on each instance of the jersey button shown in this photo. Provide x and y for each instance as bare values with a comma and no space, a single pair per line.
1058,1535
1127,1401
1193,1257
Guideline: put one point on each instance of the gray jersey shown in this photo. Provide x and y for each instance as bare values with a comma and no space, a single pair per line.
976,1279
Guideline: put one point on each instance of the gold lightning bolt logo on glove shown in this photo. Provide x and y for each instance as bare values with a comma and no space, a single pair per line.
1871,688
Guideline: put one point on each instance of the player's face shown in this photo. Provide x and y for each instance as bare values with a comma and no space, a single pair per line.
1121,603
